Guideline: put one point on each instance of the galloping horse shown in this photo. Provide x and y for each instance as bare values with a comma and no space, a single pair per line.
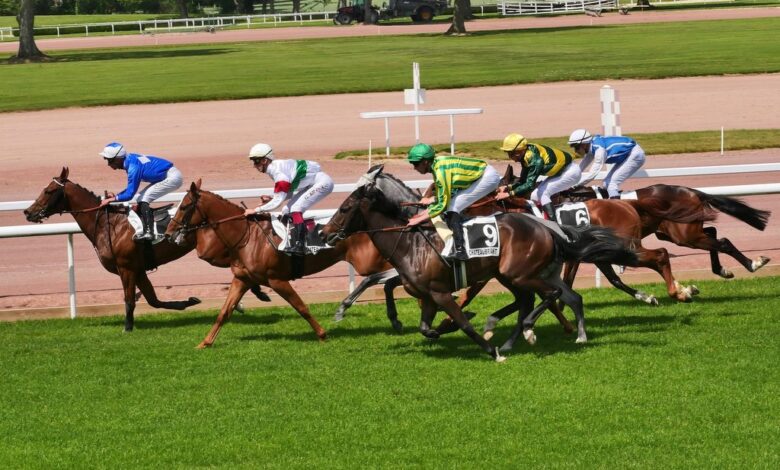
694,234
530,257
254,258
112,236
634,220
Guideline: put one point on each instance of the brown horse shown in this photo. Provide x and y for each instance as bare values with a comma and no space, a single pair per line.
112,236
530,257
254,256
694,234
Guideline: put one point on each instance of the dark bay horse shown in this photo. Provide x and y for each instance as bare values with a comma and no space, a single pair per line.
254,258
530,257
112,236
694,234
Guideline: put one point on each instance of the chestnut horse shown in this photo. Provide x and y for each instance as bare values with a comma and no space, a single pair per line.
252,248
112,236
530,256
694,234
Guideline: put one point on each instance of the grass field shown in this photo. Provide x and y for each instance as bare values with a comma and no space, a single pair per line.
262,69
677,386
661,143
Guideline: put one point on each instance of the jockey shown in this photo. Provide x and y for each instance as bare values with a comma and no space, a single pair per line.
459,183
302,181
161,175
537,160
623,153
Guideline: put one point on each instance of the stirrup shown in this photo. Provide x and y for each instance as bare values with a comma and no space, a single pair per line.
145,236
459,255
295,250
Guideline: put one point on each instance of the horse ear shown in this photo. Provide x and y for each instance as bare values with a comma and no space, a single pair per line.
64,174
197,183
194,187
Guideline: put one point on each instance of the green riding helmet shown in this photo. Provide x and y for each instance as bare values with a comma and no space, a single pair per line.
421,152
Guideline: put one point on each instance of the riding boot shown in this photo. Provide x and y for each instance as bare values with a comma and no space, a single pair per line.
147,219
549,212
297,244
455,223
615,197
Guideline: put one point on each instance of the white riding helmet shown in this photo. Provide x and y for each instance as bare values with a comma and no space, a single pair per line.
580,136
260,151
113,150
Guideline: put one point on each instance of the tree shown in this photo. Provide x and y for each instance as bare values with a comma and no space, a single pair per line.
182,7
459,13
369,17
28,51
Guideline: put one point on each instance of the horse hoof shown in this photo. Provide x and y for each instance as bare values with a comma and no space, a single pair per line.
530,337
568,329
759,263
202,345
193,301
487,335
430,334
694,290
726,274
582,340
338,317
652,300
127,330
499,358
398,326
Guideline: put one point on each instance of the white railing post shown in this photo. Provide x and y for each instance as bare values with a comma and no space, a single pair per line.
71,277
351,278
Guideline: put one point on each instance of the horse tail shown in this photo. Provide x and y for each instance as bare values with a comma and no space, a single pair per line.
666,209
734,207
594,244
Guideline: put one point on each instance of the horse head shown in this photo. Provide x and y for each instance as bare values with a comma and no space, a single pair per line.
188,217
348,219
52,199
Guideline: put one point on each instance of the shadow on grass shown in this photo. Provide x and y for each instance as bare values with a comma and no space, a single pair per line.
93,56
150,323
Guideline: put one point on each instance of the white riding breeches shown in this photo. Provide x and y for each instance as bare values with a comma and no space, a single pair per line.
307,197
623,171
154,191
486,184
548,188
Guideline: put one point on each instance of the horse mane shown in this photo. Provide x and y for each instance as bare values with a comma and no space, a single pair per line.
399,194
81,188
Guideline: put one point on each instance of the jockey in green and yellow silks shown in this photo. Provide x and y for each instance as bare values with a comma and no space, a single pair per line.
459,182
539,160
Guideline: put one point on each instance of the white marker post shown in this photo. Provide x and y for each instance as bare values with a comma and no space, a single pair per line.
610,126
415,96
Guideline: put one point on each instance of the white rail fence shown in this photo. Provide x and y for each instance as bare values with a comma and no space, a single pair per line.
71,228
554,7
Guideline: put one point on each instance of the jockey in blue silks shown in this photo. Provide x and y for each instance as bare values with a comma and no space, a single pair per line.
623,153
161,175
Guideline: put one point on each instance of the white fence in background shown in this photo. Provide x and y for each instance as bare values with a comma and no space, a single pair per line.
554,7
70,228
211,23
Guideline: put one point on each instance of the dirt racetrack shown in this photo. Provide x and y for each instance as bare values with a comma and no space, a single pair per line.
210,140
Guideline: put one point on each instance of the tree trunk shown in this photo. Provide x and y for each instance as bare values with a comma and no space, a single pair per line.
458,25
469,14
296,6
182,6
28,51
368,13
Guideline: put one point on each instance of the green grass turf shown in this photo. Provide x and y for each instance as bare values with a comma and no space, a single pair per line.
653,143
677,386
348,65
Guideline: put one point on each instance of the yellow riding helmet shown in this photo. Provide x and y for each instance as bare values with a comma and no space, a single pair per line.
514,142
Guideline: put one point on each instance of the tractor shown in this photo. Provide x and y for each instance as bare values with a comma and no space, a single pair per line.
420,11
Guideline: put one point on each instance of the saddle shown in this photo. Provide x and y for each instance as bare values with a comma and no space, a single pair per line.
314,241
162,217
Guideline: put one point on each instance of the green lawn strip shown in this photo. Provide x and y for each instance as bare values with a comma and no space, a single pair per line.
306,67
662,143
677,386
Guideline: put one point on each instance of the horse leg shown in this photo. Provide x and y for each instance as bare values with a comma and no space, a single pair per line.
147,289
658,261
724,245
449,326
570,269
392,312
128,287
285,290
574,301
353,296
614,279
237,290
446,302
527,320
428,310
